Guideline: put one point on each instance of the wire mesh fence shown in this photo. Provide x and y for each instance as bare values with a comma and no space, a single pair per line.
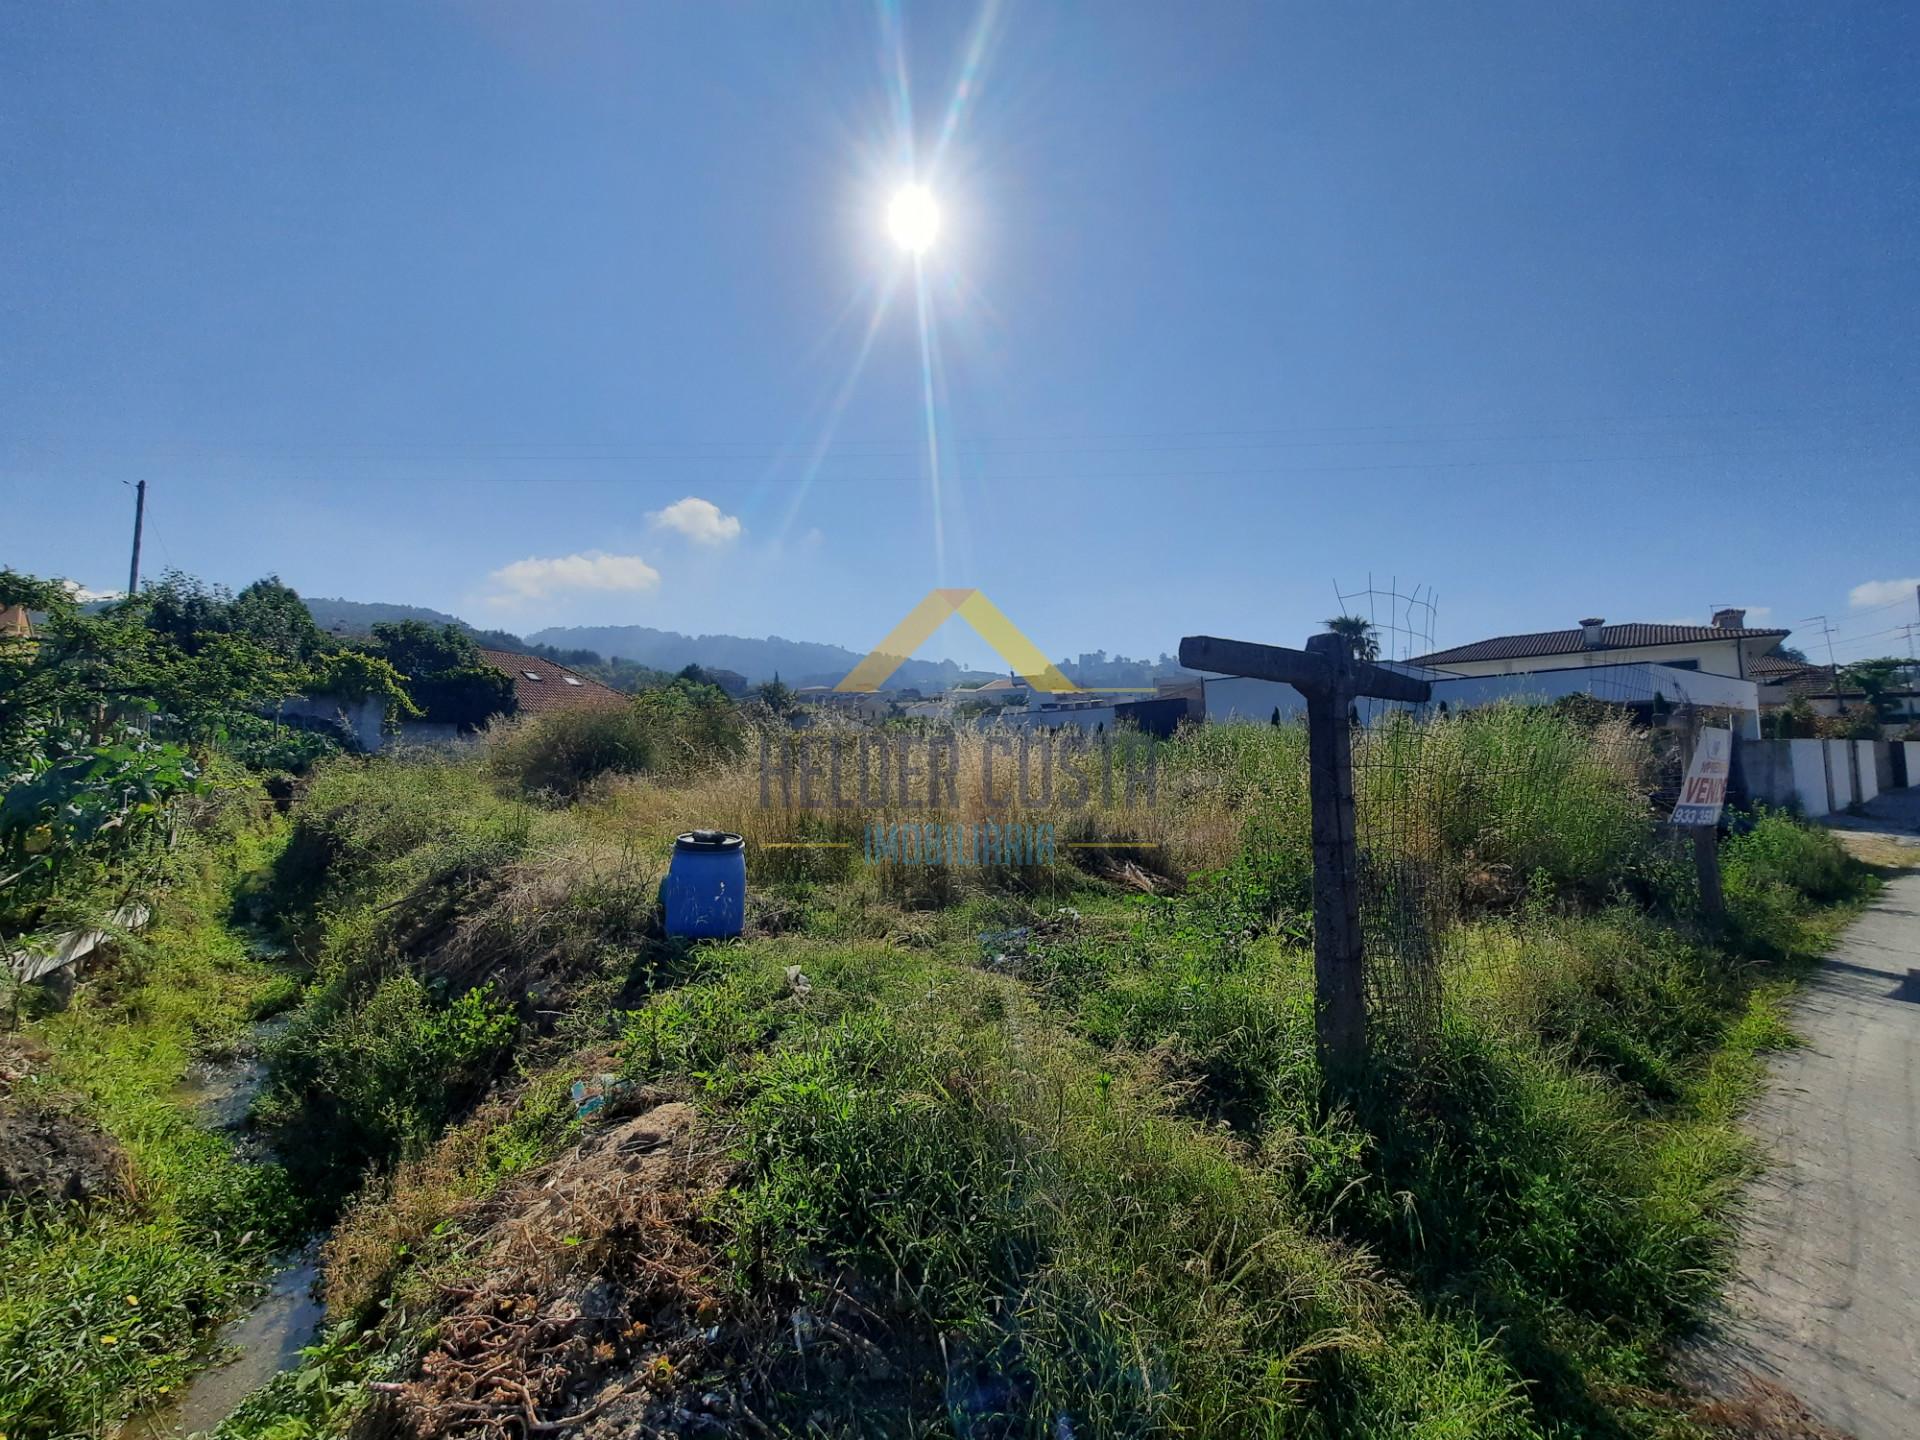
1471,813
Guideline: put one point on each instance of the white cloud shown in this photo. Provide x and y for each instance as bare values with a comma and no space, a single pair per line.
699,520
1881,592
535,578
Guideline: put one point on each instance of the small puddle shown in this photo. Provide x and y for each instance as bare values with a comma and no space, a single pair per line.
268,1338
220,1095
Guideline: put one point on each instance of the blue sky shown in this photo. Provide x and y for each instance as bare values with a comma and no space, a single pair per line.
1560,310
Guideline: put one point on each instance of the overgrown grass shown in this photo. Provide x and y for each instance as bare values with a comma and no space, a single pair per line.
1085,1180
1087,1256
103,1309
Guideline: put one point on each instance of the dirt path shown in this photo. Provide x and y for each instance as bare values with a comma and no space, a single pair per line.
1826,1303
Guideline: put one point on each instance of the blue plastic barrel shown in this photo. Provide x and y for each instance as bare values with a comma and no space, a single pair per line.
705,892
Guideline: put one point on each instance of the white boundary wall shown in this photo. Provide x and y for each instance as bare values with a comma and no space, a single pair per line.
1867,770
1840,772
1809,775
1235,698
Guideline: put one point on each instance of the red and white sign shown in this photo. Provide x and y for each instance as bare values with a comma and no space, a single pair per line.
1704,791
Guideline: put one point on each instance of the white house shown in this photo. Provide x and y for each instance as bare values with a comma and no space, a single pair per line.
1725,647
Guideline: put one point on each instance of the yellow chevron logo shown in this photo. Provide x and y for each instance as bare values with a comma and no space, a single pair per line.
988,623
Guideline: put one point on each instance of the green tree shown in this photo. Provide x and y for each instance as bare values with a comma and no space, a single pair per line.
1360,634
82,777
273,615
777,697
445,676
186,610
1878,680
413,647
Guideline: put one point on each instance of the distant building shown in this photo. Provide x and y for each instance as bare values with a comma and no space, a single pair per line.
541,687
1786,682
13,621
1641,666
1782,679
1725,647
865,704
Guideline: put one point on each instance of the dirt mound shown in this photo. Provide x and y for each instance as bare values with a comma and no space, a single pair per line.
51,1154
592,1287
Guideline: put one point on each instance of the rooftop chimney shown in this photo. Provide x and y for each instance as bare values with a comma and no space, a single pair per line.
1590,632
1729,619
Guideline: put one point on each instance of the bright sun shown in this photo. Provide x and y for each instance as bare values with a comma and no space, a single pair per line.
912,218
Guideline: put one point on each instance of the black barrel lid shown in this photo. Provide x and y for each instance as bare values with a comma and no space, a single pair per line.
707,840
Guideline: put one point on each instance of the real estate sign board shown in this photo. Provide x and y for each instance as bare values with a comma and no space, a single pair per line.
1704,790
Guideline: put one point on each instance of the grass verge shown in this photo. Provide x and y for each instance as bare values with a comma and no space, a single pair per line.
105,1307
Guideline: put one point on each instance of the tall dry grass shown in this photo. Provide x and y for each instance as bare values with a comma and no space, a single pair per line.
1485,800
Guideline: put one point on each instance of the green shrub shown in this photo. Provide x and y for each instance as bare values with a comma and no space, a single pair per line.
674,729
362,1080
1774,847
562,753
1775,869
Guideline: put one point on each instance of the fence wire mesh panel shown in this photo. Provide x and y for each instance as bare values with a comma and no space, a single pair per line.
1465,817
1402,773
1440,808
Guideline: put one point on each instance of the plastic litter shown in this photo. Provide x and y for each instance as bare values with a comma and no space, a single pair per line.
592,1096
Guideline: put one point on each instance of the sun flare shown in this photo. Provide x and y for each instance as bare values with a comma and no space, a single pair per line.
913,219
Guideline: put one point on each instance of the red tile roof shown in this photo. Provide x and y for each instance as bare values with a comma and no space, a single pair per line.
540,686
1572,642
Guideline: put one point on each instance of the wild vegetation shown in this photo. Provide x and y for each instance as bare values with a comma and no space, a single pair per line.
1003,1150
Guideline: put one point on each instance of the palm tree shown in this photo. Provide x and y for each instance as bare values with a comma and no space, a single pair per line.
1360,635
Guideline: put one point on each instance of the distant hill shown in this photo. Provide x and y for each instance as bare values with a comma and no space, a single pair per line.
357,617
796,662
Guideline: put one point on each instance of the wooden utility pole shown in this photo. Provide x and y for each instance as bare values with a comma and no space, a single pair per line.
1706,865
139,519
1330,679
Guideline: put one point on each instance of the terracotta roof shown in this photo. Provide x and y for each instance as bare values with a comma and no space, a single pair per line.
1572,642
540,686
1780,667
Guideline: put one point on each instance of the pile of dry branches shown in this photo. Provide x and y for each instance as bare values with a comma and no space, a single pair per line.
591,1286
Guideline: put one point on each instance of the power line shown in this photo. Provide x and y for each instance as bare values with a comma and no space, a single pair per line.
1108,477
1826,630
677,450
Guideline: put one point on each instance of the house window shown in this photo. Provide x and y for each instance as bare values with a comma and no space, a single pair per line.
531,675
571,679
1681,664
